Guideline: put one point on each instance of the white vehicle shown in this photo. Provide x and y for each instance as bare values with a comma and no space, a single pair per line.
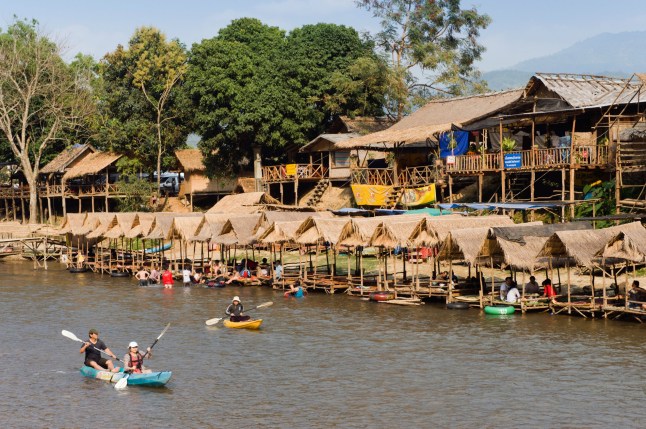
170,183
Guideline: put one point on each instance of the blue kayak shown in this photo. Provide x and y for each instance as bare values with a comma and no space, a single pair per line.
157,249
152,379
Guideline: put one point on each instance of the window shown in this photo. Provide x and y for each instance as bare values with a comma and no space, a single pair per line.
341,159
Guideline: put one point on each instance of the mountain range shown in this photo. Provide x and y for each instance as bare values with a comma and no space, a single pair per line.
607,54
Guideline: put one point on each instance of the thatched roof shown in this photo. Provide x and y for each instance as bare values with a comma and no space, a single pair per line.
240,230
464,244
315,230
582,247
392,234
18,230
72,222
628,244
185,227
142,225
105,222
269,217
281,232
519,246
92,164
60,163
325,142
210,226
435,117
439,227
190,159
242,203
588,91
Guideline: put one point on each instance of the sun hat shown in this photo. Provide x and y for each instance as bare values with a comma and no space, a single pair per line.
133,344
236,298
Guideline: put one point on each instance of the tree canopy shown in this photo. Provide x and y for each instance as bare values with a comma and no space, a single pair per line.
253,85
144,114
438,39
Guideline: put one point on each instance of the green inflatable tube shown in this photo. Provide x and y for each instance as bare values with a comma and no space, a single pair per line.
499,309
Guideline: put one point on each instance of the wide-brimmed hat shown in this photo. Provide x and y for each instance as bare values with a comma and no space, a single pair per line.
236,298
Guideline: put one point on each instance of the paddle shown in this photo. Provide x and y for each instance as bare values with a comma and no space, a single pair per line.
123,383
211,322
71,336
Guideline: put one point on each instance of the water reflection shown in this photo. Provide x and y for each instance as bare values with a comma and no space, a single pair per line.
319,362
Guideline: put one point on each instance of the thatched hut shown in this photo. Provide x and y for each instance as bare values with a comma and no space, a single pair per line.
196,183
248,202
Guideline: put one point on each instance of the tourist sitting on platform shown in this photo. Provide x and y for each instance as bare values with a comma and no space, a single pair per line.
532,285
635,296
235,277
197,278
235,309
512,294
142,275
155,275
504,287
548,289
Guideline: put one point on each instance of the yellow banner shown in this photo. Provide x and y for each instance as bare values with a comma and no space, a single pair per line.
375,195
290,169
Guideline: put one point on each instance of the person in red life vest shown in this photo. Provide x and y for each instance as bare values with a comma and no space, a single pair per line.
167,278
133,361
235,309
93,348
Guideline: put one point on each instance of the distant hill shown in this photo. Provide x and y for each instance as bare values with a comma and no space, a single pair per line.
607,54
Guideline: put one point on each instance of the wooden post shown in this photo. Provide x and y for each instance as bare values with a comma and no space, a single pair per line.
480,184
450,189
45,251
502,168
562,194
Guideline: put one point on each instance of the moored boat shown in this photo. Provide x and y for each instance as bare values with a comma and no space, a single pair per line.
247,324
152,379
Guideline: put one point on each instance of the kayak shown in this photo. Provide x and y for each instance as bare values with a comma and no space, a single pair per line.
157,249
152,379
247,324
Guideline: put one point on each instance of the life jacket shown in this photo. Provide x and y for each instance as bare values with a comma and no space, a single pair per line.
137,362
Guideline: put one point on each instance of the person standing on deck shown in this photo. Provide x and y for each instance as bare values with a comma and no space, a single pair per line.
93,356
167,278
235,309
142,275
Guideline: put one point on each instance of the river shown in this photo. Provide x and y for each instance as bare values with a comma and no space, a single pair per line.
319,362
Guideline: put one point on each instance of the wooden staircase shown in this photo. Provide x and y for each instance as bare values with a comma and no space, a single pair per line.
518,184
318,192
392,199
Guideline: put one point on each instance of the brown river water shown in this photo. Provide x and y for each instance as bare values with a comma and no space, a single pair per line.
318,362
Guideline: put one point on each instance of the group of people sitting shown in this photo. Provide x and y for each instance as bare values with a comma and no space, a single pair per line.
509,289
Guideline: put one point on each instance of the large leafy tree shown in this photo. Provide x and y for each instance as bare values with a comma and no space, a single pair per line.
437,40
252,85
42,99
144,113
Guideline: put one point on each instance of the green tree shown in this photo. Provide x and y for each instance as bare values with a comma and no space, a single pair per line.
41,99
145,115
437,39
254,86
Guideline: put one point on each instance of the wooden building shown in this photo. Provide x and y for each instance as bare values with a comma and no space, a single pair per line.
196,184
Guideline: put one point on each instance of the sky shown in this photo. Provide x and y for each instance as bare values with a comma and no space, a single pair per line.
521,29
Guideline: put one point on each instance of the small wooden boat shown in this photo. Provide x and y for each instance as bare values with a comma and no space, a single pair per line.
499,309
152,379
247,324
382,295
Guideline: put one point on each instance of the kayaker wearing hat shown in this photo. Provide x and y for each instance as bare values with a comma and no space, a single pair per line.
235,309
93,356
133,361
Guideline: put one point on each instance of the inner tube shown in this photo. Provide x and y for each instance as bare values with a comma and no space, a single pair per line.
457,305
119,274
77,269
499,309
381,296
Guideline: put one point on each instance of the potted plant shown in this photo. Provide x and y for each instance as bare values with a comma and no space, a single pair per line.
508,144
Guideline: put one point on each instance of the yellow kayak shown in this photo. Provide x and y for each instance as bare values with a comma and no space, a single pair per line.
247,324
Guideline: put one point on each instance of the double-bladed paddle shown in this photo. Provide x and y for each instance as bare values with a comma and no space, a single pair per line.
213,321
71,336
123,382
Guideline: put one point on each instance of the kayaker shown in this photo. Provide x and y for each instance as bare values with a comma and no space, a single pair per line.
167,278
142,275
235,309
93,356
133,361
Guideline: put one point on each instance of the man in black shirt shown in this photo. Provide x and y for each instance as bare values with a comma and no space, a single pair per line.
93,356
